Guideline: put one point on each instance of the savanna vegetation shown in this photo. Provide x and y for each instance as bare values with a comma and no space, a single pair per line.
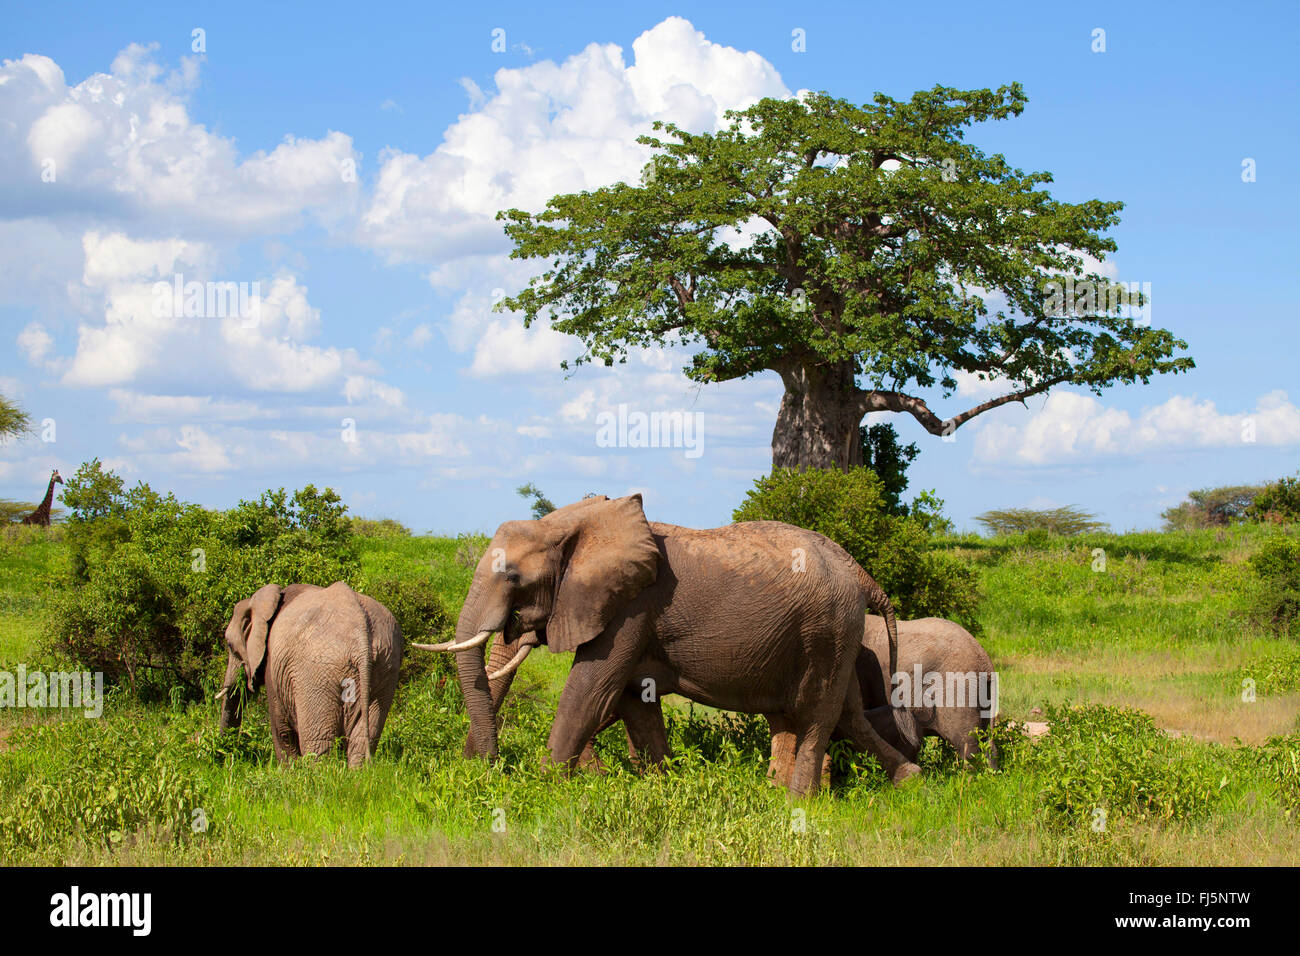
1165,664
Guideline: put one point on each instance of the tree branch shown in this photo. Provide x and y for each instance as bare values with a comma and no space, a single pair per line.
875,401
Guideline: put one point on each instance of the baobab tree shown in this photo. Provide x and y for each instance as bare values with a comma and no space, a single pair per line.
864,253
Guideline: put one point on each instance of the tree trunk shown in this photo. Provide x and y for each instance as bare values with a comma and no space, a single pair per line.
817,426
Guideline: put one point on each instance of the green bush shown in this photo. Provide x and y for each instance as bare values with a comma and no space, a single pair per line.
1279,501
1279,759
850,508
470,548
1275,602
422,617
1273,674
379,528
1115,760
152,580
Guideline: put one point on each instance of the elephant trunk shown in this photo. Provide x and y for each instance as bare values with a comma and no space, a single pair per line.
472,673
506,651
231,698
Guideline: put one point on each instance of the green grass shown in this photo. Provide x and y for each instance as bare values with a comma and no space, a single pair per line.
1160,639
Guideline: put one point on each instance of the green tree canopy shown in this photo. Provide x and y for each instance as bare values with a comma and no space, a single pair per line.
852,249
882,453
1067,521
542,505
13,420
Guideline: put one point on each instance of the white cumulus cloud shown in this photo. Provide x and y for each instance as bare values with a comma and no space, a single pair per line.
1072,426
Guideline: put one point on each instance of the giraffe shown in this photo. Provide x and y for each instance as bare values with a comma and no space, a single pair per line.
41,515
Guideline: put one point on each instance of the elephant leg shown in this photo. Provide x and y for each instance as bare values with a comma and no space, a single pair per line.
814,716
959,730
600,672
360,743
643,720
809,758
321,720
283,736
783,745
379,710
855,726
320,746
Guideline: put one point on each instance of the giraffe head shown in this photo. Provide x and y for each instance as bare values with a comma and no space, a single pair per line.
56,477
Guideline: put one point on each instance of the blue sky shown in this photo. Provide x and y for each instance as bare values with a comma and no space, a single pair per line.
228,165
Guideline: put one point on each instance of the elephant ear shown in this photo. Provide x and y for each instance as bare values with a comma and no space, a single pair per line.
262,608
610,558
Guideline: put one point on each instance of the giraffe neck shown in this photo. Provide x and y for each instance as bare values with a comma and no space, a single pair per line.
49,498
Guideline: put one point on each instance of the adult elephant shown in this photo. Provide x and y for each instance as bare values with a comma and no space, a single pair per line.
758,617
329,658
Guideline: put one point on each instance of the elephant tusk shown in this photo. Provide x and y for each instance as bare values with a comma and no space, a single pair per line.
219,694
478,640
515,661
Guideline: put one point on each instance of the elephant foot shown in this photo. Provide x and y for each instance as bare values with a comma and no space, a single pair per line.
904,772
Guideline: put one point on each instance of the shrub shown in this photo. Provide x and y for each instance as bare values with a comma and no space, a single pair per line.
152,580
850,509
422,617
1275,602
1273,674
470,548
1115,760
1279,501
379,528
1279,759
1065,521
93,493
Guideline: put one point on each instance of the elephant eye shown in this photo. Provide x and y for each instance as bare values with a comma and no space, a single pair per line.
512,577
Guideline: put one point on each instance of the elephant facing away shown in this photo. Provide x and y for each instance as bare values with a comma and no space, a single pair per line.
967,701
329,658
757,617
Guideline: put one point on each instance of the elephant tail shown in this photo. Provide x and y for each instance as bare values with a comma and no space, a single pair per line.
365,665
878,602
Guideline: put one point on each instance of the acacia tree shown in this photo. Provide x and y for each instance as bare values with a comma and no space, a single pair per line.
851,250
13,420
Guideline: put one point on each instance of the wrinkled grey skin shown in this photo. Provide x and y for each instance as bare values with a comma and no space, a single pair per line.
937,645
721,616
329,658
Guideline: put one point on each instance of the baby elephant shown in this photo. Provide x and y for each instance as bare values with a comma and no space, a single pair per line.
947,682
329,658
